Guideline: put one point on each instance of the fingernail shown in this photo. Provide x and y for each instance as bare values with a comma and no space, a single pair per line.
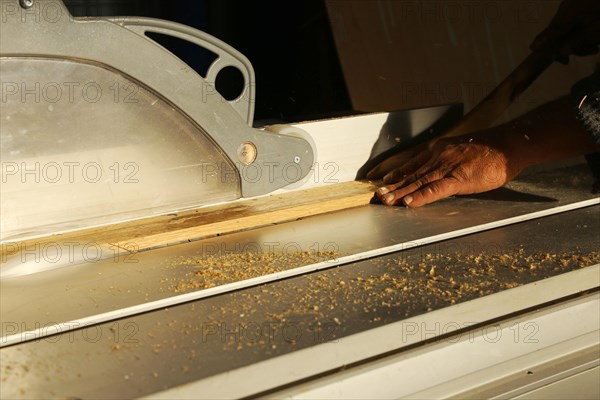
388,198
407,200
383,190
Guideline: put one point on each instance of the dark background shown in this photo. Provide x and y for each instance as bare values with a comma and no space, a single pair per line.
290,45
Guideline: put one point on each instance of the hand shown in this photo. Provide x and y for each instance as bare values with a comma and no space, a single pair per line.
485,160
577,25
414,154
461,165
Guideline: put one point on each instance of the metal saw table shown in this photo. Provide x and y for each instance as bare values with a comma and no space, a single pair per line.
492,296
484,296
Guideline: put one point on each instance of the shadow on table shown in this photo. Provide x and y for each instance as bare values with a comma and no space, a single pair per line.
506,194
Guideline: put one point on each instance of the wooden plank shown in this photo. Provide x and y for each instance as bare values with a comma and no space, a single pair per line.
205,222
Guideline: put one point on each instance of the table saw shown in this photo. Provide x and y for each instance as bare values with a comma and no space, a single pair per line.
157,243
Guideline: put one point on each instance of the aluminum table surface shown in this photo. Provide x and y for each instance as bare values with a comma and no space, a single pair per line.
154,351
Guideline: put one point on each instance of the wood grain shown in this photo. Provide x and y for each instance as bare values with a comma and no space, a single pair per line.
206,222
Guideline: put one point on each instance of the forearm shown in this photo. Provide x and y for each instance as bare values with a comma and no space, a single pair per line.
547,133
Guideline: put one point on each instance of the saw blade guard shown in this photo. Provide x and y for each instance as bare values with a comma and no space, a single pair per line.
100,124
98,153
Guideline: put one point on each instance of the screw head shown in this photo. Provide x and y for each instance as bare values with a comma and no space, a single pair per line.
26,3
247,153
297,159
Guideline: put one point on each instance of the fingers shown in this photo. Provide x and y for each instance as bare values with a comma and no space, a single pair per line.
394,194
435,191
424,191
389,164
397,161
423,169
409,167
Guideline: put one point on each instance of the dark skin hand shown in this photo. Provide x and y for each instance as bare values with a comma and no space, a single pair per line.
485,160
488,159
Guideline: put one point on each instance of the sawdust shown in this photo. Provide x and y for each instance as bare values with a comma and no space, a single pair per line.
274,319
213,270
329,303
448,278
